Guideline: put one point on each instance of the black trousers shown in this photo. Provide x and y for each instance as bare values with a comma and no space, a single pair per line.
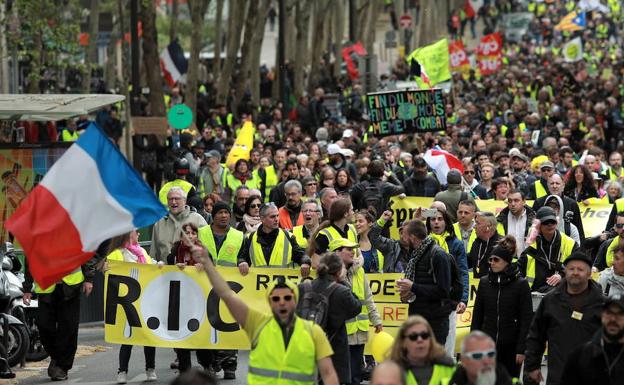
57,319
204,357
506,356
124,357
440,328
357,361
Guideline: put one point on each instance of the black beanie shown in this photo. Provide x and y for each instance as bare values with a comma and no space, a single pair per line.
502,253
218,206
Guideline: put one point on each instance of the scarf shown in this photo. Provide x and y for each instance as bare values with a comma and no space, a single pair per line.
242,177
251,223
440,239
417,254
137,251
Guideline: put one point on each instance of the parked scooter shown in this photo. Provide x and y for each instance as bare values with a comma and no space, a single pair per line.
17,337
23,312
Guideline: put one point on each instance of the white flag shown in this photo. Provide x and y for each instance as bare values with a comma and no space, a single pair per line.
573,50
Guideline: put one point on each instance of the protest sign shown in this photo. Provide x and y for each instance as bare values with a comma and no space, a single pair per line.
400,112
458,57
489,53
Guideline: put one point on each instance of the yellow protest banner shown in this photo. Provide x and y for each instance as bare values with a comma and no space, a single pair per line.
169,307
434,59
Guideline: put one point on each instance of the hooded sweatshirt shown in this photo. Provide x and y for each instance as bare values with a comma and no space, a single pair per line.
565,227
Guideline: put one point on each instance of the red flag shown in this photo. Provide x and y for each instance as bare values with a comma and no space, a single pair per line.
347,55
489,53
441,162
458,57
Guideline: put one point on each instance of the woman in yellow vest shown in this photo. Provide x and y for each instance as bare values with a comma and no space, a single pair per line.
126,248
422,358
285,349
357,328
373,258
242,175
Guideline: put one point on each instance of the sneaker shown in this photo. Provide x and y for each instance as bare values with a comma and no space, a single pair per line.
122,377
58,374
229,375
151,374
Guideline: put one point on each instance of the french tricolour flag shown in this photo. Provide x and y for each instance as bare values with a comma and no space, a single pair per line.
441,162
89,195
173,63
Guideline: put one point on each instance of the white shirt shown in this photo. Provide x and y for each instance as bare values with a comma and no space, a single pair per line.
516,226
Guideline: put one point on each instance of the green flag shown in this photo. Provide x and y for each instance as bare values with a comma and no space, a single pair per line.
434,60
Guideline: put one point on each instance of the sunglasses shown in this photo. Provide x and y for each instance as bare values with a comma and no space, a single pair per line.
469,172
422,335
255,206
619,225
495,259
286,298
480,355
310,184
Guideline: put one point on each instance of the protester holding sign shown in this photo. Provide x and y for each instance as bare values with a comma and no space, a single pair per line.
284,345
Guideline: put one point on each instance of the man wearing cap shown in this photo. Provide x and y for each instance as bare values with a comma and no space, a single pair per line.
567,317
521,178
421,184
224,244
357,327
539,188
453,194
337,160
285,349
212,175
555,187
600,360
541,262
270,246
179,178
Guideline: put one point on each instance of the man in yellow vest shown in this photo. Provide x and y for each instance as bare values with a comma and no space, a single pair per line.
181,169
516,219
285,349
270,246
224,244
464,227
539,188
606,252
542,262
614,171
311,210
58,316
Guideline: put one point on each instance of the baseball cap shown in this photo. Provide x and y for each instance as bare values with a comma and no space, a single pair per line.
578,256
339,243
547,164
614,299
213,154
546,213
518,154
333,149
348,133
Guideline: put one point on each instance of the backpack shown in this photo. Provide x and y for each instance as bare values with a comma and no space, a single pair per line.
372,197
457,286
313,305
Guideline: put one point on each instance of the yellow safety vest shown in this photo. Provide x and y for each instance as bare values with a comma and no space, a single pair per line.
233,183
281,255
272,363
611,175
331,233
301,240
162,194
360,322
619,205
471,238
540,191
229,118
228,253
447,381
117,255
270,182
74,278
567,244
440,372
68,136
610,250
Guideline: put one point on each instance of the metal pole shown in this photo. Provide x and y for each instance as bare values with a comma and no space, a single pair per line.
281,51
135,54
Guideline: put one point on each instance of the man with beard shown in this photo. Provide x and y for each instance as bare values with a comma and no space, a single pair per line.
421,184
285,346
567,317
290,215
555,186
478,363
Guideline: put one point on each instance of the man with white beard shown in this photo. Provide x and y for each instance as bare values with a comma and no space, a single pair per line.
478,363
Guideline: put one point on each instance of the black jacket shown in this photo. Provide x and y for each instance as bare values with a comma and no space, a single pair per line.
569,205
388,189
503,308
431,298
343,305
503,219
421,186
586,364
395,255
553,324
479,254
460,376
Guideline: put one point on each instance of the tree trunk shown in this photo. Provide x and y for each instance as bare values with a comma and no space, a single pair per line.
367,32
256,46
433,18
339,24
320,14
217,41
197,10
235,19
111,52
301,58
173,26
241,81
151,59
91,54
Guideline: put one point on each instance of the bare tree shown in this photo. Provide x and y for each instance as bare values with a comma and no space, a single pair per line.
235,19
433,18
91,54
339,24
151,59
173,26
197,10
217,40
367,22
319,20
302,11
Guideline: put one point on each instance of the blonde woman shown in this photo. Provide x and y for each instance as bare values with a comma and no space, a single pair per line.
419,354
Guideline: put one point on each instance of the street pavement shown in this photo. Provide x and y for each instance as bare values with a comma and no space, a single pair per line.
100,367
